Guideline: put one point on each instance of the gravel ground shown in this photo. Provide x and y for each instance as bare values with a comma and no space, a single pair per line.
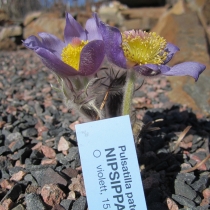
39,159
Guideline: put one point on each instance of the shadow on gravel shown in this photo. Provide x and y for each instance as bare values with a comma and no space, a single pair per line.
161,165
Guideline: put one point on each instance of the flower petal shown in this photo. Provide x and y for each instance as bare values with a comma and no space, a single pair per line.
52,43
192,69
93,29
32,42
171,49
113,40
73,29
55,64
91,57
149,70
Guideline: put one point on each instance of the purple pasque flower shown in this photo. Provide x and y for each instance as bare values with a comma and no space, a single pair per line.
146,53
81,53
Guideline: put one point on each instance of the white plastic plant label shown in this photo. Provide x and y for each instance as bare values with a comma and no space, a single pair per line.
109,164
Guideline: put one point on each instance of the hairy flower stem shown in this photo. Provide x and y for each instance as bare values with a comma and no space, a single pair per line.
128,93
103,102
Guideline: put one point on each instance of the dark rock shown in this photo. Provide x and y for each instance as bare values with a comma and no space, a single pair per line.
31,167
17,145
14,192
183,201
36,155
184,190
201,184
62,159
56,131
70,172
198,199
31,121
23,125
73,156
29,178
156,143
66,203
150,182
157,205
154,196
175,167
4,174
148,157
13,137
4,149
38,108
80,204
161,166
42,177
34,202
15,170
202,208
30,132
58,207
10,118
22,154
186,177
192,162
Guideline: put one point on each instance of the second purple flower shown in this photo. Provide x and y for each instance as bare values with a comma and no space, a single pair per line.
146,53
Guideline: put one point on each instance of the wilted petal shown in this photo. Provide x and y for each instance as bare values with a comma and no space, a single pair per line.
32,43
93,29
52,43
91,57
112,38
171,49
151,69
73,29
192,69
55,64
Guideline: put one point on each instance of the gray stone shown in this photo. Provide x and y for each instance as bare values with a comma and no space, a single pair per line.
34,202
80,204
186,177
19,207
17,145
13,137
200,184
30,132
48,176
14,192
183,201
66,203
184,190
4,149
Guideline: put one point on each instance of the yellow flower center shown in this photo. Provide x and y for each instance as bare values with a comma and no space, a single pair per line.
71,53
141,47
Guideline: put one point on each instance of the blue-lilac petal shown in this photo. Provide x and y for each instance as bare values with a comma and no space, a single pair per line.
113,40
91,57
171,49
93,32
55,64
73,29
192,69
32,43
52,43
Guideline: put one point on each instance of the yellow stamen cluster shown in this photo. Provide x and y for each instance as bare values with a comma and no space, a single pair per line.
71,54
141,47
